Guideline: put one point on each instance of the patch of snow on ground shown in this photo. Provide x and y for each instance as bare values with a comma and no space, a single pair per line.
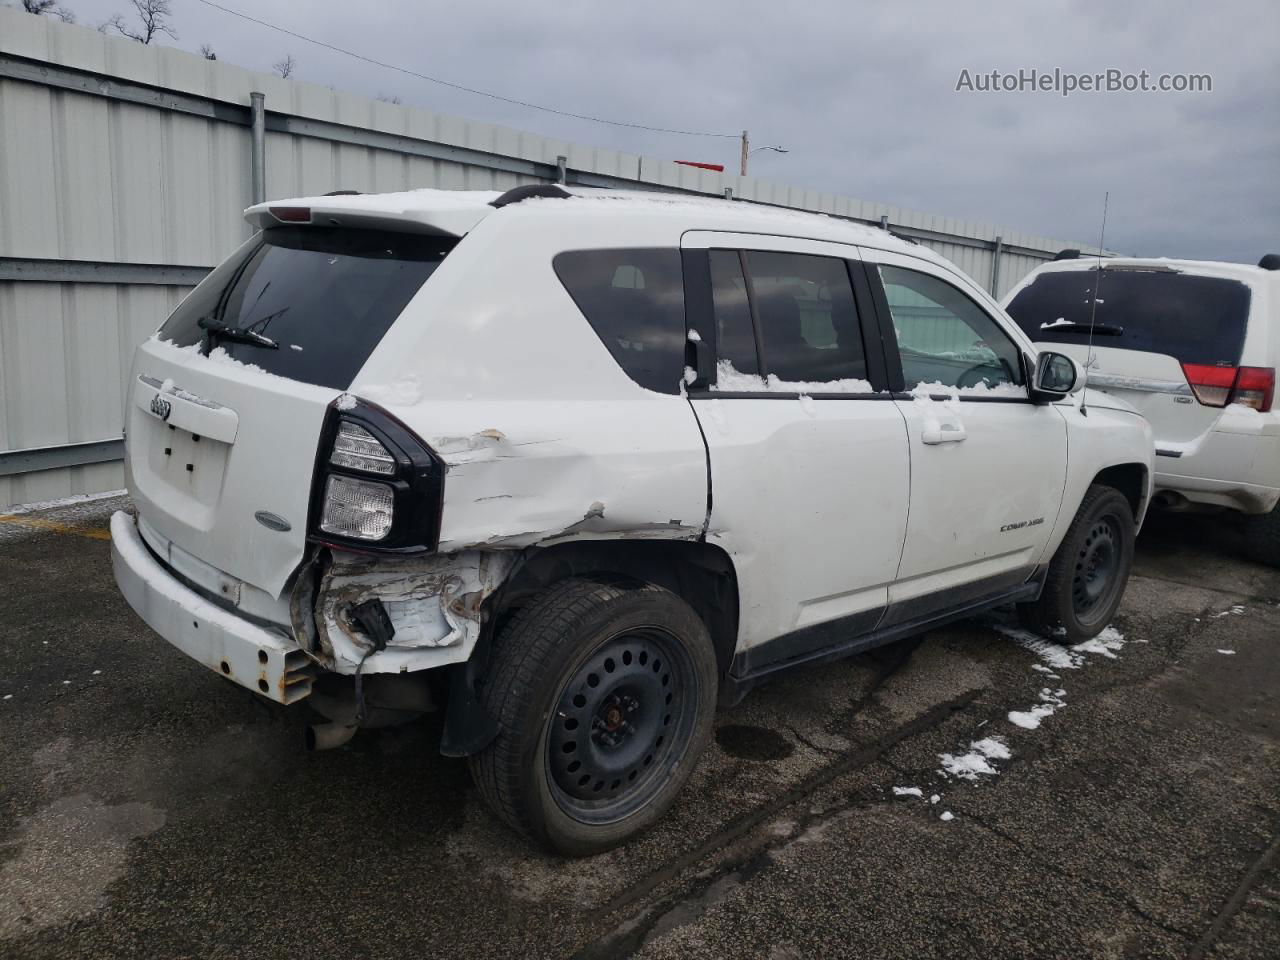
1229,653
947,815
1105,643
1235,608
1050,702
968,766
908,792
935,798
1055,655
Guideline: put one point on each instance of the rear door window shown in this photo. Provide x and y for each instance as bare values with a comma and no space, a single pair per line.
634,300
1192,319
786,322
320,298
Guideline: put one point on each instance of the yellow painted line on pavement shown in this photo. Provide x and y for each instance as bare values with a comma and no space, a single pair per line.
38,523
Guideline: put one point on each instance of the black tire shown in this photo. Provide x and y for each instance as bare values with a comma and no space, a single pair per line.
604,695
1088,573
1262,537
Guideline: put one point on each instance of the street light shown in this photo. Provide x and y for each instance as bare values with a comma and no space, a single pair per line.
747,151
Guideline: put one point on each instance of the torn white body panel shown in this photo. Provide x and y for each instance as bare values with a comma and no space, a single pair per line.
434,604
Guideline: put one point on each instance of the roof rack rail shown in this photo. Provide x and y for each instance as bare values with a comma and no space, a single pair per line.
343,193
1071,253
529,190
1270,262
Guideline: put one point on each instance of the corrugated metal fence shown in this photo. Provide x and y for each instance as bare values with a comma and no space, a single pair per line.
123,173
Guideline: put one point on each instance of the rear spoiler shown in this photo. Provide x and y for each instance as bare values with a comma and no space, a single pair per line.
447,213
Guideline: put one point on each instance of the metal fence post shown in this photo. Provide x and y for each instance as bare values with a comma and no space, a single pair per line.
995,266
259,146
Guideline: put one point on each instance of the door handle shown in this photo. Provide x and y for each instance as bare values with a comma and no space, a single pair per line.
943,433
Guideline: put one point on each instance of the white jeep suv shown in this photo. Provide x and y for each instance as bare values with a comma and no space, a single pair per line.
575,467
1194,346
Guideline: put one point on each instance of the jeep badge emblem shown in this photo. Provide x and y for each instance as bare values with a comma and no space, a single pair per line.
161,407
272,521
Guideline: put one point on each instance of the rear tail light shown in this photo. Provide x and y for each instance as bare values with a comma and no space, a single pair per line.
1218,386
356,508
377,487
357,448
1255,387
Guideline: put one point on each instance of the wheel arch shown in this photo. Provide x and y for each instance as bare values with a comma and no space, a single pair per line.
1132,480
699,573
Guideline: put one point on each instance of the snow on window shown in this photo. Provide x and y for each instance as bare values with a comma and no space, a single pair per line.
977,390
730,379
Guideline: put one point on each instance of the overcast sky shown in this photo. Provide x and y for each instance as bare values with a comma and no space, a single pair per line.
862,95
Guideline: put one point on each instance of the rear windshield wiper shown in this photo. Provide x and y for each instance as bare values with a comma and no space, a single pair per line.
1072,326
219,329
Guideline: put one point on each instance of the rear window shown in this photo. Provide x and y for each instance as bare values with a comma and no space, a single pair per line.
1193,319
634,300
324,297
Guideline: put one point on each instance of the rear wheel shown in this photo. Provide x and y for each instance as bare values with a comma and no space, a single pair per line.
1262,537
1088,573
604,695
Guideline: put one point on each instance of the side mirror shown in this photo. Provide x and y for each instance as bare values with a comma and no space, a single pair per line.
1055,377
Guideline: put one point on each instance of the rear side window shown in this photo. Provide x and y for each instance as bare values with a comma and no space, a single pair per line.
322,298
1192,319
634,300
944,337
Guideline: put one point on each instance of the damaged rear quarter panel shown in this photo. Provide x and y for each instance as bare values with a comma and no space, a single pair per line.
545,471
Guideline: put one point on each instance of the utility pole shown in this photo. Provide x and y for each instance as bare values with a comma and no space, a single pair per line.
745,144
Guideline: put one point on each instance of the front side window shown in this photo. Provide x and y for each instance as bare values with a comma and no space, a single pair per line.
945,338
634,300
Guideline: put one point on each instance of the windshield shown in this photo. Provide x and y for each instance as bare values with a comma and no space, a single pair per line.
1193,319
307,303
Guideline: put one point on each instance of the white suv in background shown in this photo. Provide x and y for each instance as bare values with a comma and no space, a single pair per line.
1194,346
575,467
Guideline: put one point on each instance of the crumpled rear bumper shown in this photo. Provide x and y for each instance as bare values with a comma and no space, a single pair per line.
252,656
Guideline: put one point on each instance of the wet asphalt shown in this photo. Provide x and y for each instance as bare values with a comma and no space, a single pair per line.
150,809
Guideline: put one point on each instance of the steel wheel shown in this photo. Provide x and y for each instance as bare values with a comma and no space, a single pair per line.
617,721
1097,563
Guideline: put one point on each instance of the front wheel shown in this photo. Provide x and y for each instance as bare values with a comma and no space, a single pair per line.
604,696
1088,573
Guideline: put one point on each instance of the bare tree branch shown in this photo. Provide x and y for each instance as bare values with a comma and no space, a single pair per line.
285,67
206,51
389,98
153,20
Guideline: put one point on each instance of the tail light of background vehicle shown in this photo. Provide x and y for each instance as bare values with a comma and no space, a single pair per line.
377,487
1218,386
